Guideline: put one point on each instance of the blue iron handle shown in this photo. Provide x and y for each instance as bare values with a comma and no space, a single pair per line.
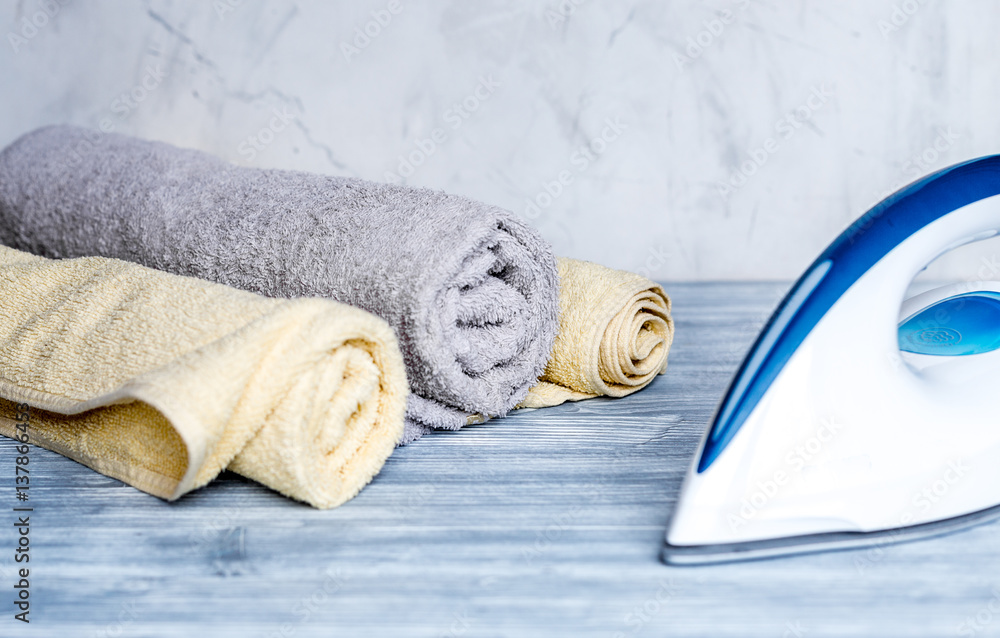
876,233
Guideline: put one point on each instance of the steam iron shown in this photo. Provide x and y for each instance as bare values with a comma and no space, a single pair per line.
860,417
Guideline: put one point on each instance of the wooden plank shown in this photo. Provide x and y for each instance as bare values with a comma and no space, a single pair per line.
547,523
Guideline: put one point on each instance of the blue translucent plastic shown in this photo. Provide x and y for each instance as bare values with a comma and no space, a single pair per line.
846,260
961,325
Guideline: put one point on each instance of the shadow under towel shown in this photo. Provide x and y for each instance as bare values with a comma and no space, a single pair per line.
470,290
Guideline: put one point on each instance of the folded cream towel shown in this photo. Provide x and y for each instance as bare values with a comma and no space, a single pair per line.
163,381
614,334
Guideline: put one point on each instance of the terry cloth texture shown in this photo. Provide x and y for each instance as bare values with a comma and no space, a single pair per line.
470,290
164,381
614,334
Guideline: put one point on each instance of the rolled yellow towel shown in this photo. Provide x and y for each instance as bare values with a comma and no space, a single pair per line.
164,381
614,334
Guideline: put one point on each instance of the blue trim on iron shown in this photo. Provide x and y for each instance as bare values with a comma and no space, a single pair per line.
850,256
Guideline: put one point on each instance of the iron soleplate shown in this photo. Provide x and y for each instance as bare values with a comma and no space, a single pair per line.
691,555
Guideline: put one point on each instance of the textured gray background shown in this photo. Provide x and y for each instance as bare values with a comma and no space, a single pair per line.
897,78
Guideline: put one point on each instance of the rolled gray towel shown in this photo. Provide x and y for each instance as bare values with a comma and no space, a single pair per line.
470,290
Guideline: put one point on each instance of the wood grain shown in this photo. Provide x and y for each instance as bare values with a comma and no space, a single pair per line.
547,523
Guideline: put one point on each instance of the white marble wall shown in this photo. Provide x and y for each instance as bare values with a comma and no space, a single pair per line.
839,102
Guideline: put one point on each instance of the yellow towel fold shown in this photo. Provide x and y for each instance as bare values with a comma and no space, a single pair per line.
163,381
614,334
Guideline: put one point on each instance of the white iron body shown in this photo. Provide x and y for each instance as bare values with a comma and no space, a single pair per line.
853,435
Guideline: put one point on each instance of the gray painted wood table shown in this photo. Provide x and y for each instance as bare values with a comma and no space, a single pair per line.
547,523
